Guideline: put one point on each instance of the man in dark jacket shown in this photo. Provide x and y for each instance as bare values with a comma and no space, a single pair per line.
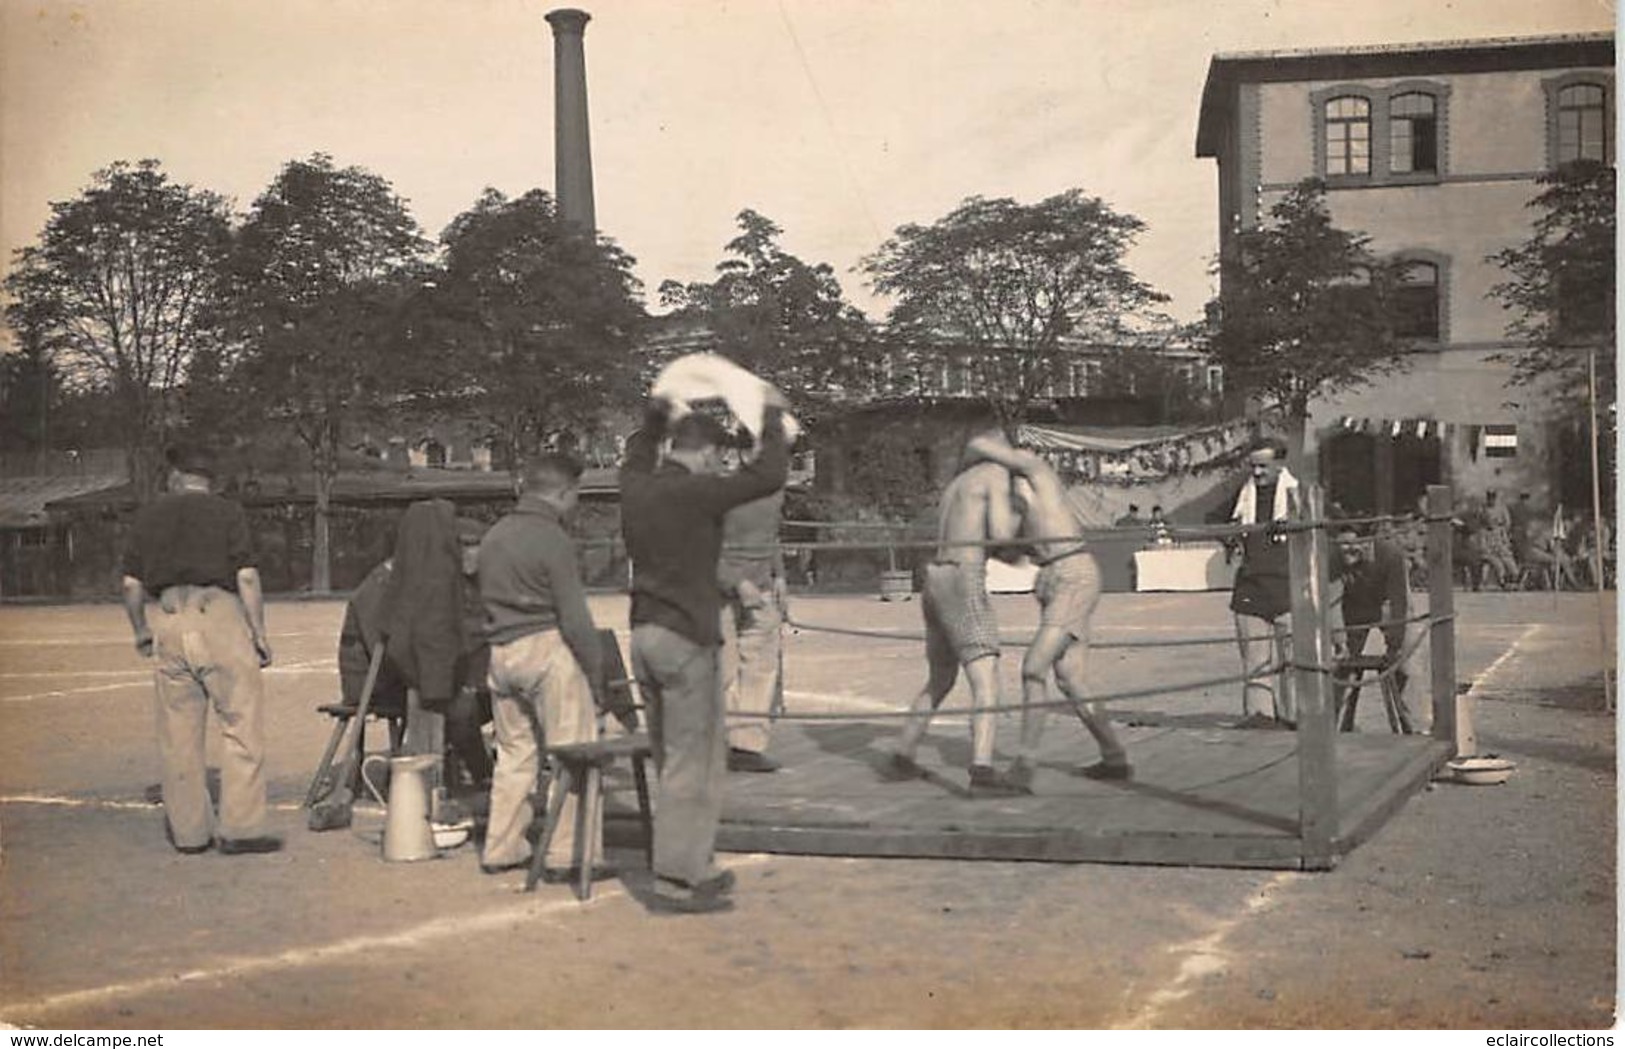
672,517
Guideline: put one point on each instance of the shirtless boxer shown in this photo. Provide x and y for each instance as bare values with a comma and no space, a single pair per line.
959,626
1068,589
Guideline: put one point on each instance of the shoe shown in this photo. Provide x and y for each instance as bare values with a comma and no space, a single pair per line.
243,846
718,884
189,850
662,903
899,769
671,896
987,781
1105,770
740,760
558,876
504,868
1020,775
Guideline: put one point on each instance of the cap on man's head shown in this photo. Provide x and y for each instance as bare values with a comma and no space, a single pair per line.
697,431
191,459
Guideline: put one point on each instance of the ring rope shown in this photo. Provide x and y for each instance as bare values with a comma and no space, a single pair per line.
904,635
1005,710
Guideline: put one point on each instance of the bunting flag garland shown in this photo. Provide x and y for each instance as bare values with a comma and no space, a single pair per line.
1398,428
1102,458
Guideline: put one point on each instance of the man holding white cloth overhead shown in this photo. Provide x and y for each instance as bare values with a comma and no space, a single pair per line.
672,517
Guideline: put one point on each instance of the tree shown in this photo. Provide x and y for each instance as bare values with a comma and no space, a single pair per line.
120,292
539,319
1011,283
1305,309
29,391
322,264
782,318
1560,290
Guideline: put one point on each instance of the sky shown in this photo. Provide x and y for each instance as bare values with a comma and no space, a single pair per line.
838,119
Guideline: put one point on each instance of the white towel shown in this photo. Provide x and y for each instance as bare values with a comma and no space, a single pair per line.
1247,502
706,376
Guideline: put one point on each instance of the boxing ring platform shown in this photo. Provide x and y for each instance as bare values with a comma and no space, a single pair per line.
1202,795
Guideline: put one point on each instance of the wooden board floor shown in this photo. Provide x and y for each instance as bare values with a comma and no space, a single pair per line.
1202,795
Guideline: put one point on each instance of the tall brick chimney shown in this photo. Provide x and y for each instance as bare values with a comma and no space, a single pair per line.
572,149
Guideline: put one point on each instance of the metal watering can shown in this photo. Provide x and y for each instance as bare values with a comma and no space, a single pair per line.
408,835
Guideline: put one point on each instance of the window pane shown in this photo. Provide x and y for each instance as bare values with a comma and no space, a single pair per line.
1582,123
1593,134
1417,302
1399,146
1568,134
1412,105
1425,145
1580,95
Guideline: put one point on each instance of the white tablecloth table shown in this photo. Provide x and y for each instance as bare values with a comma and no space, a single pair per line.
1194,566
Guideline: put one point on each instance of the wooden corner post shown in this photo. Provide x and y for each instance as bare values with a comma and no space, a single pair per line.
1450,720
1312,681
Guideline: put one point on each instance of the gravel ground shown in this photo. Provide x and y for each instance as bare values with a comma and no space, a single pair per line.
1474,907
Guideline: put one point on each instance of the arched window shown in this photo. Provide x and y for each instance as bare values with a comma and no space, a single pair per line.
1416,301
1348,135
1582,123
1413,133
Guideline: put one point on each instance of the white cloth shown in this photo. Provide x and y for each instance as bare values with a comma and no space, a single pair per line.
1246,511
707,376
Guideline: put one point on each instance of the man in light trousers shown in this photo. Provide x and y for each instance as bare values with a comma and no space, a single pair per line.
546,667
190,550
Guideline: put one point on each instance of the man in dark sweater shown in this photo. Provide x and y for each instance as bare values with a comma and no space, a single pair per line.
672,518
190,551
1375,590
545,664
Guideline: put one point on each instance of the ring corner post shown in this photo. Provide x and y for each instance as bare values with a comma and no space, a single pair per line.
1450,721
1316,697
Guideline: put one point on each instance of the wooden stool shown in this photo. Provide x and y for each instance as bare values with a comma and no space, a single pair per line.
579,767
341,715
1350,671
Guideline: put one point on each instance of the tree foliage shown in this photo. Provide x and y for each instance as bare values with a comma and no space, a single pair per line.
539,320
1560,288
1305,308
784,319
120,292
1012,282
322,263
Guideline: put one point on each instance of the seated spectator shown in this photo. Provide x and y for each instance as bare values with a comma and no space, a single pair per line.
1160,533
1132,519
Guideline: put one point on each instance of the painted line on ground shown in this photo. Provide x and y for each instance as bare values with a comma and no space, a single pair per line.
146,682
1204,955
374,945
19,675
141,678
68,801
1506,659
845,700
126,639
